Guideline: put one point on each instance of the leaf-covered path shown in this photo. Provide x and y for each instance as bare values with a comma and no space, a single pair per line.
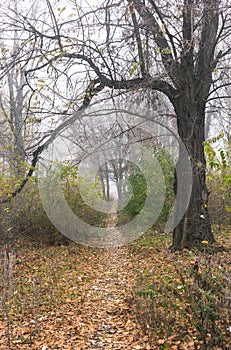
113,326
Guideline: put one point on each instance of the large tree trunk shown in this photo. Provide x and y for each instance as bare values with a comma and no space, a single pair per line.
195,225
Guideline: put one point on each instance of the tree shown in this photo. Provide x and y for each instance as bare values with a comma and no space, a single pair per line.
175,48
19,114
12,102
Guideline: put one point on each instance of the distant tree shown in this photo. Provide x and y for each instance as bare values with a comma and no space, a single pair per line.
19,114
12,103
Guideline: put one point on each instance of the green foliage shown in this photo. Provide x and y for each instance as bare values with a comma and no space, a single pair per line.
168,167
166,51
139,187
219,179
134,68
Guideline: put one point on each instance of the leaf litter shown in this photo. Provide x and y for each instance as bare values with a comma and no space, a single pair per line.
75,297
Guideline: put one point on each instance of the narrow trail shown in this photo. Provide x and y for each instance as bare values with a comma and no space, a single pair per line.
113,323
111,291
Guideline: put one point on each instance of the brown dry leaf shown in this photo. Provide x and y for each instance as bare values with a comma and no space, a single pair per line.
136,346
70,314
191,345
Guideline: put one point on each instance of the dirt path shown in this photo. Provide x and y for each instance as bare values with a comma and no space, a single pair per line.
114,326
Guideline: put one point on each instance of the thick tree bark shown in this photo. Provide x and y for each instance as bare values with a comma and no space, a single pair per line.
195,225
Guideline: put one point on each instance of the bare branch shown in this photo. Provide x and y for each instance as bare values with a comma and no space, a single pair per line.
93,89
138,40
152,25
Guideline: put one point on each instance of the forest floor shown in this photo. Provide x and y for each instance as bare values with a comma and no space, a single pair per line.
138,296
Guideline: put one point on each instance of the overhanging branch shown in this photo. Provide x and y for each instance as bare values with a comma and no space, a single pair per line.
93,89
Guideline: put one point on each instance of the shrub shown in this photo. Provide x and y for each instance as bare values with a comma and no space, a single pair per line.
139,187
219,180
24,216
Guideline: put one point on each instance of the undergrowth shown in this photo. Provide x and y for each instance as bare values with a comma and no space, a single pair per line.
184,299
